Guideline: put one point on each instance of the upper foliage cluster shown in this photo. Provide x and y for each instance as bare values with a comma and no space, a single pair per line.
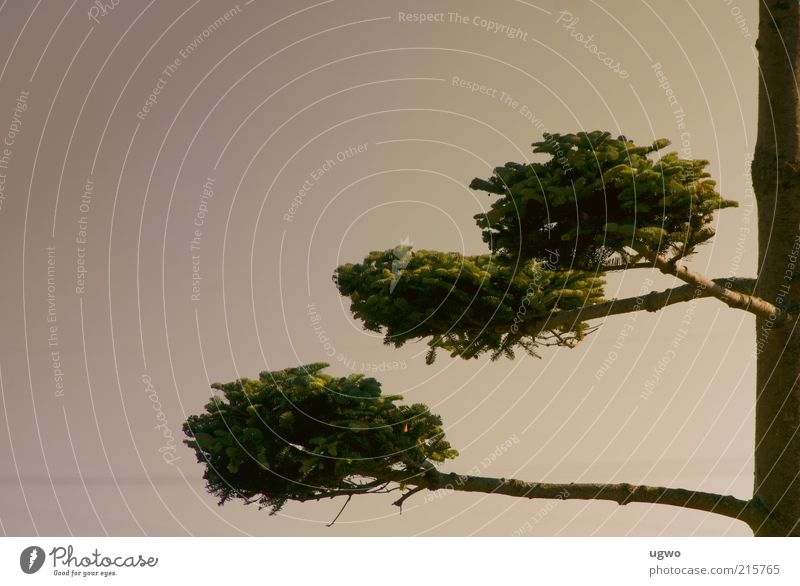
302,434
552,230
596,196
467,305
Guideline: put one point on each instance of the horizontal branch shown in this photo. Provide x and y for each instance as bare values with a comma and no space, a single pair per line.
652,301
627,267
375,487
729,506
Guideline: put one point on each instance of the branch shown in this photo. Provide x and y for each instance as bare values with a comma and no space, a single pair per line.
749,512
344,506
731,298
375,487
399,502
626,267
653,301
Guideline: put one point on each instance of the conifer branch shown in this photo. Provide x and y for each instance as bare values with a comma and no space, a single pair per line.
714,288
748,511
339,514
652,301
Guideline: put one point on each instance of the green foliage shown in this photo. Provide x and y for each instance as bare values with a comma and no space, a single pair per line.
302,434
597,196
467,305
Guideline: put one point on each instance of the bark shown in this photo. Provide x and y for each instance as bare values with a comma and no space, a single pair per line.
750,512
776,184
734,299
653,301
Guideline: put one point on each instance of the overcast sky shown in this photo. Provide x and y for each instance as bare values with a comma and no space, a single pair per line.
157,154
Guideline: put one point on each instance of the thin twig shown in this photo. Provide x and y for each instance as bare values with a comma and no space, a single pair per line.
399,502
340,512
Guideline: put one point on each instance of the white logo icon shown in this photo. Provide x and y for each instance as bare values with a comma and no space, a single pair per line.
402,256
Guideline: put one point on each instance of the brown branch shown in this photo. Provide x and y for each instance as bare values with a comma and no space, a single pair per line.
399,502
653,301
369,488
344,506
731,298
749,512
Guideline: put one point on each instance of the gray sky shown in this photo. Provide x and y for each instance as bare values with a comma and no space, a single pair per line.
249,109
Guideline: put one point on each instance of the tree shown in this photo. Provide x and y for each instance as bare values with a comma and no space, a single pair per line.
554,228
776,183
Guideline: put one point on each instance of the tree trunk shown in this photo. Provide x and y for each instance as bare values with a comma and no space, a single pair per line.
776,182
